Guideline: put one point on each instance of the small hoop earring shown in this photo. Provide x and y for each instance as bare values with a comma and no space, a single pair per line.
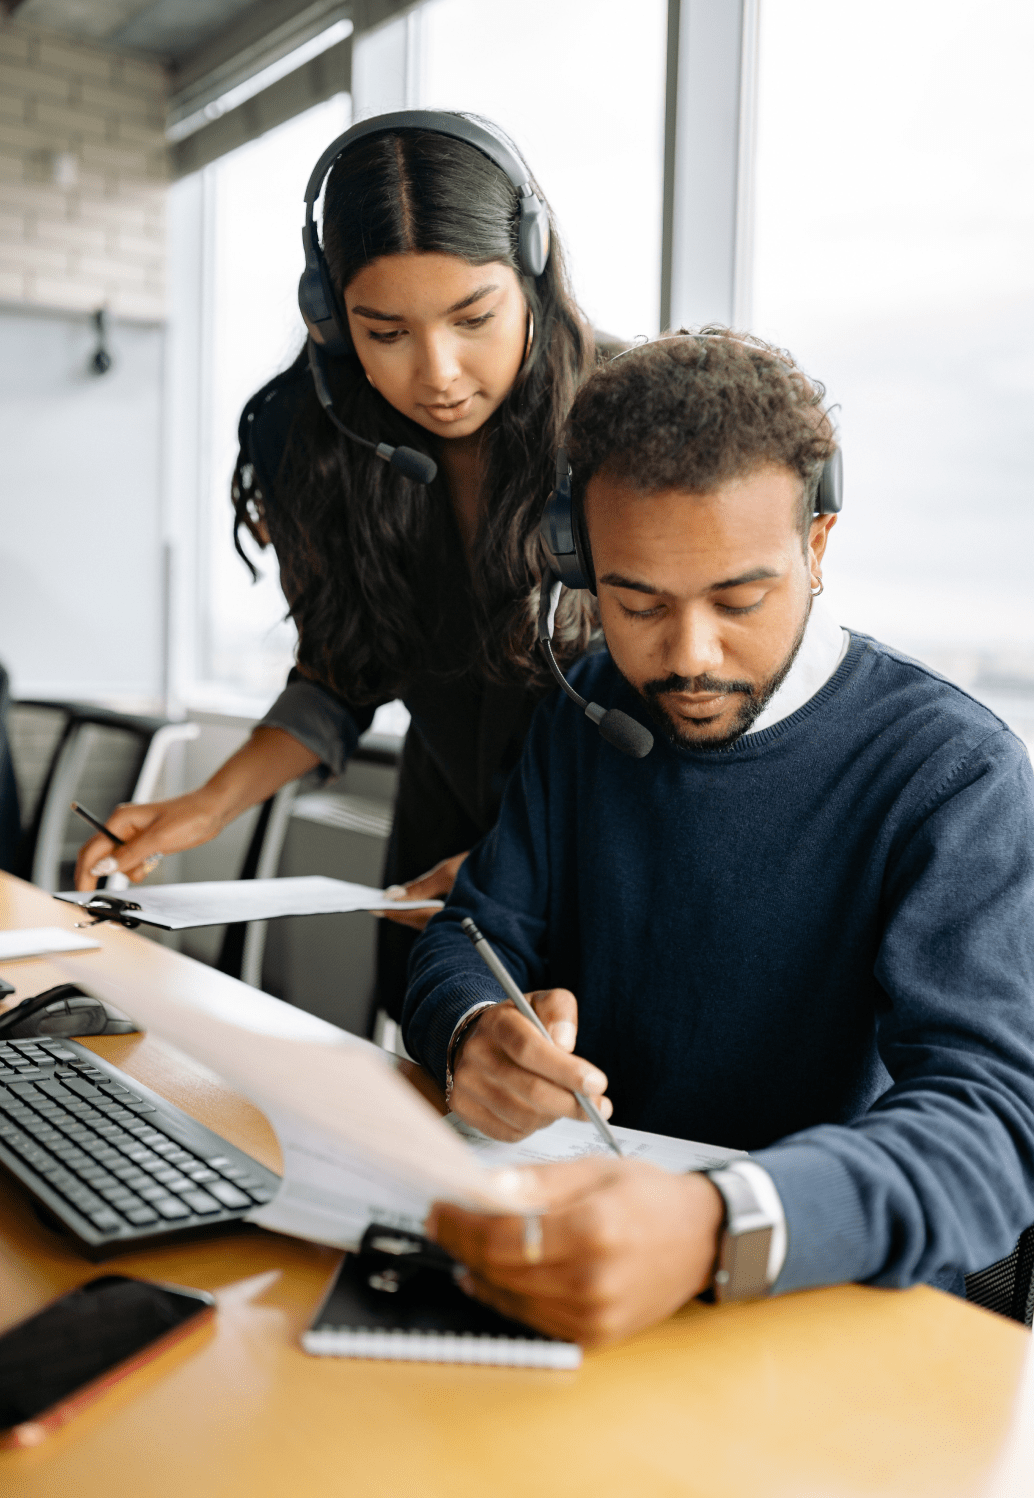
816,592
531,336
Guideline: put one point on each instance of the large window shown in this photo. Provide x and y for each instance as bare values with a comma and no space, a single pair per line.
895,258
579,85
252,218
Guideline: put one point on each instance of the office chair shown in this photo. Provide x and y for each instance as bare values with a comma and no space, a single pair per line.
244,943
65,751
243,947
10,818
1007,1286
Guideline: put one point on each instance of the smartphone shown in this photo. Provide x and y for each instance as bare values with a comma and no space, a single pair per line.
59,1361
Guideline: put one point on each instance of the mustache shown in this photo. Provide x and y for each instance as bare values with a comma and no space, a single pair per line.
653,690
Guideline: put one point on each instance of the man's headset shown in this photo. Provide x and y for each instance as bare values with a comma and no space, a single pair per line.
318,302
566,540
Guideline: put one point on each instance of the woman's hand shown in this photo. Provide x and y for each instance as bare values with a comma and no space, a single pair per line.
436,884
154,827
623,1244
268,760
508,1080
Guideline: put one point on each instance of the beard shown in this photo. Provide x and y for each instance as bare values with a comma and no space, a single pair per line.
755,698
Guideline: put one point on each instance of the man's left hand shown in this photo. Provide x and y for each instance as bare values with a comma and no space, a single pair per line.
436,884
624,1244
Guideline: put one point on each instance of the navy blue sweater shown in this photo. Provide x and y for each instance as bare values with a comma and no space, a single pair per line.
817,945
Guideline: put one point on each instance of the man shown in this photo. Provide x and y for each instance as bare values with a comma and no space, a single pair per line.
802,925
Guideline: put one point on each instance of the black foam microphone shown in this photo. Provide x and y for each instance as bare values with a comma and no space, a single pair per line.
614,725
407,460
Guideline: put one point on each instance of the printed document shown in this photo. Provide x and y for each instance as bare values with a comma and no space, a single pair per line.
359,1143
176,907
38,941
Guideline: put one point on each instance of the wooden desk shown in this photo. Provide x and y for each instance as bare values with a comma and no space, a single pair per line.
835,1392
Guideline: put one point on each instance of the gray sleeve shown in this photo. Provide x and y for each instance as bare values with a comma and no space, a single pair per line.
319,721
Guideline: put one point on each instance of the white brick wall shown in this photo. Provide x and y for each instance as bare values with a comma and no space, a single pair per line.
101,241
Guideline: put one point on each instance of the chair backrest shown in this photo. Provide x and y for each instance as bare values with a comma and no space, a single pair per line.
65,751
1007,1286
10,818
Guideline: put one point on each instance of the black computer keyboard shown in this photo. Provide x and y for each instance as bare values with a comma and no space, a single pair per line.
117,1165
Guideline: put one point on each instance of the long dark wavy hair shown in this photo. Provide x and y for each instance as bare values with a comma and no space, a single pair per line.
357,541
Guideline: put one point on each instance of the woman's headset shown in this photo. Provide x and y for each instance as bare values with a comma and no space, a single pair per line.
317,298
318,302
569,565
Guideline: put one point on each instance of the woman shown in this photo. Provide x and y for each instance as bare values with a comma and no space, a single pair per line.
401,589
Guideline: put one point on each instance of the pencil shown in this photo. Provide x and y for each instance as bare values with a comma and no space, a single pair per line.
97,824
483,948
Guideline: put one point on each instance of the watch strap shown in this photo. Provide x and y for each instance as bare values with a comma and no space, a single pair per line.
741,1269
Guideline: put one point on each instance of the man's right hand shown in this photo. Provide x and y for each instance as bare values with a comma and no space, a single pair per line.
508,1080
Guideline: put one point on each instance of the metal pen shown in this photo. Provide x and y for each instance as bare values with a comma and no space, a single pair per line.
97,824
483,947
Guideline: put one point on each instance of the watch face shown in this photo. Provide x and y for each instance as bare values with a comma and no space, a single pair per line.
746,1240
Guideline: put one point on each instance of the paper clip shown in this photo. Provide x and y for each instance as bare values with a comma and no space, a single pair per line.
105,907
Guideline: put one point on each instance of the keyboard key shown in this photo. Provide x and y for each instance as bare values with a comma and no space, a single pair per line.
201,1173
139,1106
181,1158
104,1218
153,1193
165,1174
200,1202
86,1201
262,1193
83,1089
228,1195
141,1216
171,1208
118,1196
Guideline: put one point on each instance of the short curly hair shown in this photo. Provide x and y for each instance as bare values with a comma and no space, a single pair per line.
695,409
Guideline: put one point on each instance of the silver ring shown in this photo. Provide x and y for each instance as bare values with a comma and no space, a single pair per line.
150,864
531,1238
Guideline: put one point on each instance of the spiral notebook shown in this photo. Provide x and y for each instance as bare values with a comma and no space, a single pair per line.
397,1299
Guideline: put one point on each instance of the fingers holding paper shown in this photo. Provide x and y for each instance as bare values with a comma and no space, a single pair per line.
509,1080
623,1244
436,884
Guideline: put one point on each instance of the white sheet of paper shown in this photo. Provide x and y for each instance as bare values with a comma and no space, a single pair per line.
177,907
359,1143
38,941
570,1139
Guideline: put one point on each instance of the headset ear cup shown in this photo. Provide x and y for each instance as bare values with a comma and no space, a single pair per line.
318,303
337,339
557,534
584,551
830,497
534,236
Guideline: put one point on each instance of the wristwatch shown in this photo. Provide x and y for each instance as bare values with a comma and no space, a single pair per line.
743,1270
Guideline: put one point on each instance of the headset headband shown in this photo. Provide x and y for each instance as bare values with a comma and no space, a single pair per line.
534,228
458,126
